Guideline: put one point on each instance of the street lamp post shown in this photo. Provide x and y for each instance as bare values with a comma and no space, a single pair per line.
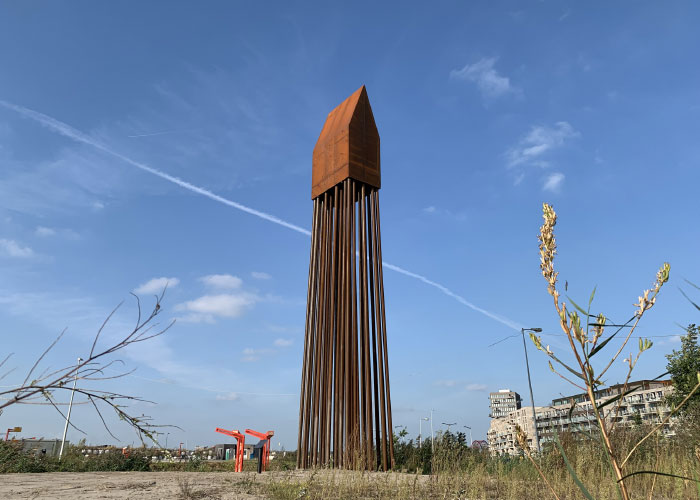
448,425
432,435
420,430
529,382
70,406
470,435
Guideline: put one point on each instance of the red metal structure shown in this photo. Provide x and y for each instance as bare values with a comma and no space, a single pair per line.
266,447
240,446
12,429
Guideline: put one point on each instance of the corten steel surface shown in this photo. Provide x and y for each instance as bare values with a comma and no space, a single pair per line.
345,404
348,146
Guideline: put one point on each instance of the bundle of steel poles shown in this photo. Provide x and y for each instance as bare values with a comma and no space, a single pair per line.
345,404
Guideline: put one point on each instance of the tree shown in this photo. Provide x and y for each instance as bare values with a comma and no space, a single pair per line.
684,365
41,387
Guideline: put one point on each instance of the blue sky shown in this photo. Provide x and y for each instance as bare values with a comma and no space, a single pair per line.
485,110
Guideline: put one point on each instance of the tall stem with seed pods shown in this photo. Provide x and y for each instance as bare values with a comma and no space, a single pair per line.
584,339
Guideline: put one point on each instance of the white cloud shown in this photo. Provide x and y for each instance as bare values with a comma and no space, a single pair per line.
14,249
222,281
537,142
444,212
208,307
45,231
283,342
476,387
260,275
487,79
231,396
553,182
250,354
97,205
156,285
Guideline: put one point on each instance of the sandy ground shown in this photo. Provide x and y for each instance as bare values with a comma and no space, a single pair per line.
175,485
133,485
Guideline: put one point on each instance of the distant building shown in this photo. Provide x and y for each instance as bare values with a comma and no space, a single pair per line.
227,451
503,402
644,405
502,432
49,447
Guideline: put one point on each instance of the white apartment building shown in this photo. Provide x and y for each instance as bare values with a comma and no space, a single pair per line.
644,405
501,435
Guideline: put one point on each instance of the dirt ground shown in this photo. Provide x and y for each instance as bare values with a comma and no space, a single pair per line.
135,485
182,485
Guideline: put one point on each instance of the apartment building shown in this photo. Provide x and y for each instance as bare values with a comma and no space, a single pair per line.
644,405
503,402
501,435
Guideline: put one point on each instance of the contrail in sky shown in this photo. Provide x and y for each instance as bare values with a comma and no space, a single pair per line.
153,133
77,135
72,133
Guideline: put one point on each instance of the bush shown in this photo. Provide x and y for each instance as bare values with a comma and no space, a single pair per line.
13,459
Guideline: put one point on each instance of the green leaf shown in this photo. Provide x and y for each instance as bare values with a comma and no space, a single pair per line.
684,295
691,283
659,474
612,400
621,395
602,344
571,410
571,470
580,309
590,301
571,370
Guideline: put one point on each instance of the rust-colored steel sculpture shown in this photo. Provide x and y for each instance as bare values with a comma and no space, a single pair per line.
345,404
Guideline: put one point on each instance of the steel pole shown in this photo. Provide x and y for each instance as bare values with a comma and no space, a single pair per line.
432,436
420,431
532,398
470,435
70,406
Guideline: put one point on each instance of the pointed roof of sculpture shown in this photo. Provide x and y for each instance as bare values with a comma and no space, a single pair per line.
348,145
352,107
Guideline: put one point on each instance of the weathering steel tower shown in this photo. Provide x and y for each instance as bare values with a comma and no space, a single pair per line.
345,404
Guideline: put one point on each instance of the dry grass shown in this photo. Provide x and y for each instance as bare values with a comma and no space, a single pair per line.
189,490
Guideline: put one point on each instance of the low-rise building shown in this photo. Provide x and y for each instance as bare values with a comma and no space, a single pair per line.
645,404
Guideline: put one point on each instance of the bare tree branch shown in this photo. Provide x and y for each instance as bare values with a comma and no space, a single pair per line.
92,369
